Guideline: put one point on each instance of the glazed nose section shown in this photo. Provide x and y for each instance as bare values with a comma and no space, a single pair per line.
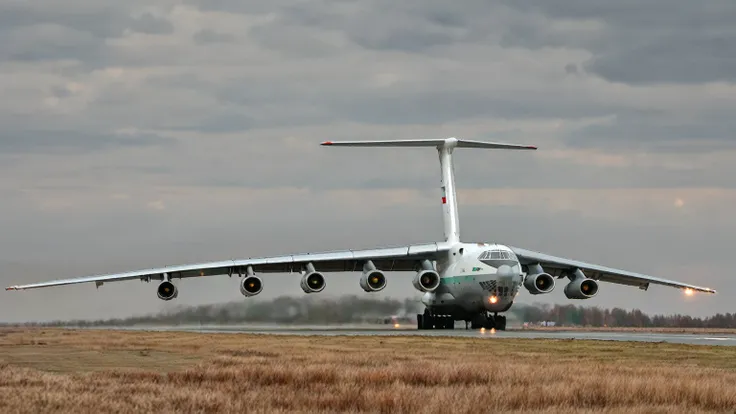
506,272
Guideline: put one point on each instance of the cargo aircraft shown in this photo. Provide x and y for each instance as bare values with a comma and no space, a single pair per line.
471,282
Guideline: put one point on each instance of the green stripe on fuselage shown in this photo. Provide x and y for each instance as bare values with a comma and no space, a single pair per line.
456,280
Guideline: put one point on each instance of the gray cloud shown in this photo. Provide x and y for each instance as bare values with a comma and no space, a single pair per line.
64,142
49,41
140,134
98,19
662,133
148,23
652,42
206,36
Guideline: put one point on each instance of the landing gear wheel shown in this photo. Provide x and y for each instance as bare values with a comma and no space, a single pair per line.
501,323
426,320
487,321
447,322
482,321
429,321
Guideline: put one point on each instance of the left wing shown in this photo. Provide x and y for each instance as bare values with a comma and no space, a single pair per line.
404,258
558,266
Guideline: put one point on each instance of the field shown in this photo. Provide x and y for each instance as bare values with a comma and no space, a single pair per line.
48,370
694,331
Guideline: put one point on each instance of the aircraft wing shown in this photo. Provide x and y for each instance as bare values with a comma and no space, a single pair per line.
403,258
558,266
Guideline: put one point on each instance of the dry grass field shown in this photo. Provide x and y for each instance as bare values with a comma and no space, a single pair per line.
694,331
52,370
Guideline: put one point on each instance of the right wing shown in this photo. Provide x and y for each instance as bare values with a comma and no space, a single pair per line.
559,266
405,258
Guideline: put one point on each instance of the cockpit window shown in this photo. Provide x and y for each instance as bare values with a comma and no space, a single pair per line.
497,255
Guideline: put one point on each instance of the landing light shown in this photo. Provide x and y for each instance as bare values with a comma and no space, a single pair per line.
493,299
689,292
396,325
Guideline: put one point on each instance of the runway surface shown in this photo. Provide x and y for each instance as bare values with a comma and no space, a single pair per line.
384,330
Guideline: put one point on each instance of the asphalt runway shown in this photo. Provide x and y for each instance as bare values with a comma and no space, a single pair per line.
388,330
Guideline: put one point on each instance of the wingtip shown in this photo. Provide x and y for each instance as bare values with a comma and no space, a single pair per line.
532,147
327,143
11,288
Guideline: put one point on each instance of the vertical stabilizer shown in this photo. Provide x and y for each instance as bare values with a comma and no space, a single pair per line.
450,214
445,148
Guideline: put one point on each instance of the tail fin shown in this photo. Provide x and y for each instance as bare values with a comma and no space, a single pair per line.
444,148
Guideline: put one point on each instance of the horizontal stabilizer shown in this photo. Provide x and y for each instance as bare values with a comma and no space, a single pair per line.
448,142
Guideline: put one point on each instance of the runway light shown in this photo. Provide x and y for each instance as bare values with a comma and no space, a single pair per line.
689,292
493,299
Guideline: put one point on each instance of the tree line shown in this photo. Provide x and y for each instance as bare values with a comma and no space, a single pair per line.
572,315
286,310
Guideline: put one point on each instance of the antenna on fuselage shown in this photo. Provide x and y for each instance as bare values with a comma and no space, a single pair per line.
445,147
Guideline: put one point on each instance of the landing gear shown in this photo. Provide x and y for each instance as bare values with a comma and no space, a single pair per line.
500,323
487,321
428,320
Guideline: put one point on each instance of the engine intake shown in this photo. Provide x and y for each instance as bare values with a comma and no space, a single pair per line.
313,282
426,280
167,290
251,286
373,281
539,283
581,288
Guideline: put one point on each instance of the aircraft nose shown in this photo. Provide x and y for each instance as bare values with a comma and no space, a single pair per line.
505,271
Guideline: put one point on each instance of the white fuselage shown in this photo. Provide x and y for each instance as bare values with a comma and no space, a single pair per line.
476,277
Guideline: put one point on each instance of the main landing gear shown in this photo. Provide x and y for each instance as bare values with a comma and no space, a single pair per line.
429,320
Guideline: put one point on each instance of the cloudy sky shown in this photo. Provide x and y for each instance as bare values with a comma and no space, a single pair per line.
148,133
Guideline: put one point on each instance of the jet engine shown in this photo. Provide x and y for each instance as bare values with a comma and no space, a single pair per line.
426,280
539,283
373,281
581,288
251,286
312,281
167,291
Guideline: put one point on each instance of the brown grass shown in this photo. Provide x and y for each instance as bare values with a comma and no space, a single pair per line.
48,370
694,331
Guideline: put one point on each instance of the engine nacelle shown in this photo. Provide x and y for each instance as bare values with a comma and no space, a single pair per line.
426,280
373,281
167,290
251,286
312,282
539,283
581,288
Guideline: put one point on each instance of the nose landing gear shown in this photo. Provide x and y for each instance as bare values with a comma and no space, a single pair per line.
488,321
